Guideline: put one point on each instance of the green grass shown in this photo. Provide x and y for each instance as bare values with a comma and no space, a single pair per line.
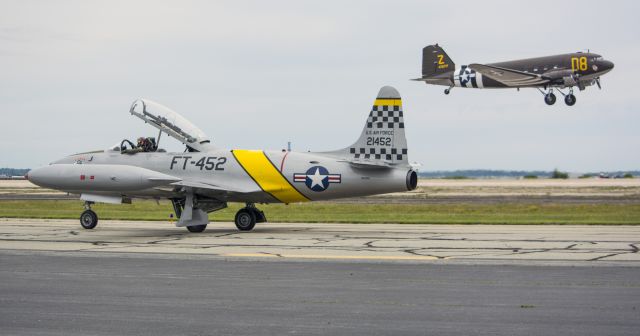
507,213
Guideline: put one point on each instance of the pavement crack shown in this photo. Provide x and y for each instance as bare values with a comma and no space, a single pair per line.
415,252
606,256
370,244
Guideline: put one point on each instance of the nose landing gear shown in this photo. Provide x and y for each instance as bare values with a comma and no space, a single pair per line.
88,218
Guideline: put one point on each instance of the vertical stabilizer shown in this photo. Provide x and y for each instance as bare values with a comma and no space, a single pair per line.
382,140
435,61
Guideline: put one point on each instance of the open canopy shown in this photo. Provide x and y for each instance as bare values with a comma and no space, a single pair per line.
170,122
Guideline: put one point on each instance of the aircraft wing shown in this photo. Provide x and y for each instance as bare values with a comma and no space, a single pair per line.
509,77
209,188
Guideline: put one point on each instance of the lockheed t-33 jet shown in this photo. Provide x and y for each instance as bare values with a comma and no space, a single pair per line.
547,73
204,178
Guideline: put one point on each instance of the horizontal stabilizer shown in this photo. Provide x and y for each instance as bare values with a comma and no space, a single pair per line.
509,77
370,164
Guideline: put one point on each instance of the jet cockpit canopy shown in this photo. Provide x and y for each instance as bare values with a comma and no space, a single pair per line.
172,123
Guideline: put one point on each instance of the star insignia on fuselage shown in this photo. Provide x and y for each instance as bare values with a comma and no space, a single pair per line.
317,178
466,76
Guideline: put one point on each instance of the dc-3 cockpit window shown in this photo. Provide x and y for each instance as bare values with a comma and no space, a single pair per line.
170,122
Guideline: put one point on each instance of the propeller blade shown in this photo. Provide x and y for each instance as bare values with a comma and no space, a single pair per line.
598,82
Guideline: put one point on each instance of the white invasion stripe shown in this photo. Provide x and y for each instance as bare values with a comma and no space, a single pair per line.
479,80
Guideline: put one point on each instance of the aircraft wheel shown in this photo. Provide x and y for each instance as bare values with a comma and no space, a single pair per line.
550,98
196,228
245,219
88,219
570,100
446,91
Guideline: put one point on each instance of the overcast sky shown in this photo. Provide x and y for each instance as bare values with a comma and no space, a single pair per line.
256,74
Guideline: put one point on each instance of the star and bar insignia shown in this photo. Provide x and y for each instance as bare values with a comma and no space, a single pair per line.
317,178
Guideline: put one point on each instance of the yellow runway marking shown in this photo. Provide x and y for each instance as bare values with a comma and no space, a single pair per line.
338,257
267,176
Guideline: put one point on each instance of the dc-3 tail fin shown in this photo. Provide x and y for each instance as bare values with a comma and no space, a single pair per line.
435,61
382,142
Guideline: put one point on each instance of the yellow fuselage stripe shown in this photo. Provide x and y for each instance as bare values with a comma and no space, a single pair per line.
267,176
383,102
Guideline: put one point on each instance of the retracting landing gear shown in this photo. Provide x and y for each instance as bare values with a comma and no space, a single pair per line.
247,217
570,99
550,98
448,90
88,218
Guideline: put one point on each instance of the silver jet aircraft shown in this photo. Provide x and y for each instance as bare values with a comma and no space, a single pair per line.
204,178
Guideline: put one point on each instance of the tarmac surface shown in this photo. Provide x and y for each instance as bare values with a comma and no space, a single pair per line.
150,278
571,244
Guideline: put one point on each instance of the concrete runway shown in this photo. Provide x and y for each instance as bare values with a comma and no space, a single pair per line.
149,278
393,242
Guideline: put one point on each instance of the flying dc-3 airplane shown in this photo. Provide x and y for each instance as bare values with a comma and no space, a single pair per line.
544,73
204,178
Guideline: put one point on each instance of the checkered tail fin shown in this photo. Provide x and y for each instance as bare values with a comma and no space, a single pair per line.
382,139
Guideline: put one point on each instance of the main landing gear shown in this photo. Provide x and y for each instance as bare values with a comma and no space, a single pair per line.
569,98
247,217
550,98
448,90
88,218
197,228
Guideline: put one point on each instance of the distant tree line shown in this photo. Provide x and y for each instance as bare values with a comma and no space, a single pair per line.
13,171
484,173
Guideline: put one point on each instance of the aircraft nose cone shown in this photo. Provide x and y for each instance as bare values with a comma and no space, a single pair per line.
607,65
39,176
